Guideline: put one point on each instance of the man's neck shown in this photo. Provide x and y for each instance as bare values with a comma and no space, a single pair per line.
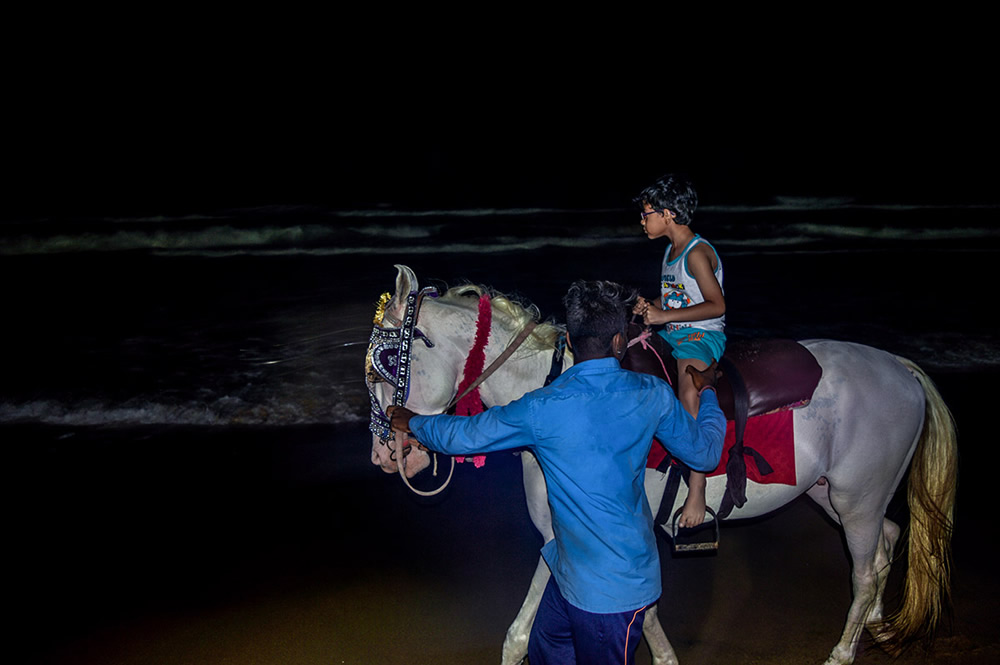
581,359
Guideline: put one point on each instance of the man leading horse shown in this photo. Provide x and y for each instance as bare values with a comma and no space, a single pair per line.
591,430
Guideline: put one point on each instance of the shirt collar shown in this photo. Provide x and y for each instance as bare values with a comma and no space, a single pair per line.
594,365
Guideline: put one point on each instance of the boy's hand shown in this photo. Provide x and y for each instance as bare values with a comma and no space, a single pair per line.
708,378
654,316
651,314
640,306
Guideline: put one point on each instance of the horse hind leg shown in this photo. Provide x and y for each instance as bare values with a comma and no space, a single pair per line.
883,561
820,493
870,539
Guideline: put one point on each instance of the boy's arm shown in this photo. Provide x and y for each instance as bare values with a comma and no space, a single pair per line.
700,266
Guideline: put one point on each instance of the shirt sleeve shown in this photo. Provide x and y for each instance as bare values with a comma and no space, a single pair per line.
498,428
697,443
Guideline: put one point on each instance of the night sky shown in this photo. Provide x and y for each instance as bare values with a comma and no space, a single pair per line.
169,138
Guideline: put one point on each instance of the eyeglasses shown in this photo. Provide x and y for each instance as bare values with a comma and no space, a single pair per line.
651,212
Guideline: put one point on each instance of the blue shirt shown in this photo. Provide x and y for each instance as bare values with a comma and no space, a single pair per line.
591,430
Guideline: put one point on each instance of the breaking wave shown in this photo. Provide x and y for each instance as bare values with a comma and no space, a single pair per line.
288,230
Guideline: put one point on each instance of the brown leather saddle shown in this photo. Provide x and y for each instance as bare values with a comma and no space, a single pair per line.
758,376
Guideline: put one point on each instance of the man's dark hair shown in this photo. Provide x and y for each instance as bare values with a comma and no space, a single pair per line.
673,192
595,313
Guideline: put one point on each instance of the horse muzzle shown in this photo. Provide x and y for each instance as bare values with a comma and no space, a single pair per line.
414,461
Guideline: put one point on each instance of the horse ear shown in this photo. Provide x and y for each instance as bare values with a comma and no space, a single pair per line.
406,283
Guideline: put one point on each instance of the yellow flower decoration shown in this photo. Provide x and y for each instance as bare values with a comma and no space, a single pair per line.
383,301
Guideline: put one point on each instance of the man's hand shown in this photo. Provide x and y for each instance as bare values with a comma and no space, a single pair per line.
399,418
708,378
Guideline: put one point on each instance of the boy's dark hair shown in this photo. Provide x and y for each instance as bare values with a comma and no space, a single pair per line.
595,313
673,192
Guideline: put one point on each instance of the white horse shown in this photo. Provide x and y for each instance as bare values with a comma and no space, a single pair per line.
870,414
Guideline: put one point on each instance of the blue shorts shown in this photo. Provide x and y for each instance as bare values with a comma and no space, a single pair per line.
695,343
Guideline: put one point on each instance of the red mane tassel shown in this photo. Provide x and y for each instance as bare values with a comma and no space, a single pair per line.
472,403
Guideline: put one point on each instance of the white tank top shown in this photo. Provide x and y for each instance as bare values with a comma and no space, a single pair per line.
679,288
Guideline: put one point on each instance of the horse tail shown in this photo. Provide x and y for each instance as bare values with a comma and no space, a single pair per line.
931,498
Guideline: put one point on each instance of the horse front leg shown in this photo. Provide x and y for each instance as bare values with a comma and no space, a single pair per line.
515,644
659,645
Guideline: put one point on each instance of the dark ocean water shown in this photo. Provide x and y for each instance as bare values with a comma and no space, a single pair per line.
261,316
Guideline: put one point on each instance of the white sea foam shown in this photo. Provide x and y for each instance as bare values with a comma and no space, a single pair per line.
895,232
167,239
225,412
399,231
815,204
500,244
467,212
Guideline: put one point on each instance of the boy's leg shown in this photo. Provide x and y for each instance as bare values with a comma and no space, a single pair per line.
693,513
686,392
551,640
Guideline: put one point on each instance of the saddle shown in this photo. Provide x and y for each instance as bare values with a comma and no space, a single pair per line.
758,376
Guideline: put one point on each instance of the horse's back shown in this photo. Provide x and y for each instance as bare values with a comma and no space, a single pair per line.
852,371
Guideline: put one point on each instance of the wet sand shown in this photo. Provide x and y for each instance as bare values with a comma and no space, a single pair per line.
285,546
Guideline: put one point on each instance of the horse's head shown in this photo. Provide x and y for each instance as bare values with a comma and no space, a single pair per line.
420,348
400,368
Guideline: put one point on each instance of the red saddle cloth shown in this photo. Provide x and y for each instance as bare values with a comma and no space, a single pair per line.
769,434
767,377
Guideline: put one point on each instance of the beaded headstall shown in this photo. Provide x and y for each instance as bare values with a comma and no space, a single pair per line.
389,357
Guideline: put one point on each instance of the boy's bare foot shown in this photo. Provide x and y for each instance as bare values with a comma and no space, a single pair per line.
694,510
694,506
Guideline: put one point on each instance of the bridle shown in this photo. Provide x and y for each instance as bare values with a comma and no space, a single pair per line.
389,358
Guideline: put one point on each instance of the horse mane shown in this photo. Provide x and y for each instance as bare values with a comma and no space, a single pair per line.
513,313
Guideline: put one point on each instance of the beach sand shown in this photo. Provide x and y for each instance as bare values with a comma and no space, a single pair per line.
222,545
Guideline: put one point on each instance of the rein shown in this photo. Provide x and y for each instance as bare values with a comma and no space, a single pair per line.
641,339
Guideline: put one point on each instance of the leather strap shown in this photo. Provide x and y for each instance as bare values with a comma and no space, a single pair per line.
495,365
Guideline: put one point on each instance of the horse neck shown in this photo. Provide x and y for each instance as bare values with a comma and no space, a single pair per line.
438,370
452,329
523,372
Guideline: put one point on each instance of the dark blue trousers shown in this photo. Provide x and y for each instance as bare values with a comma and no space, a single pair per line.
566,635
